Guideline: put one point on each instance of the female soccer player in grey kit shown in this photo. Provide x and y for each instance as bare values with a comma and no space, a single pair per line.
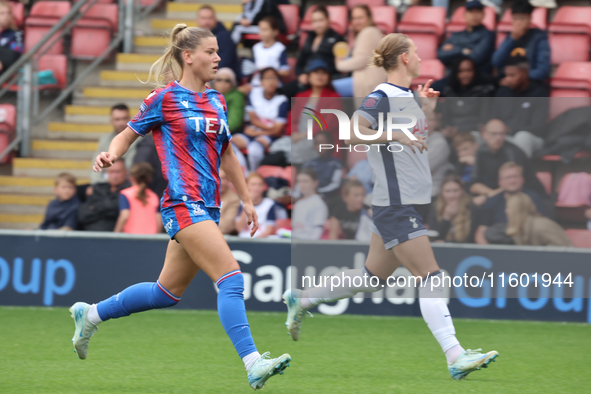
402,191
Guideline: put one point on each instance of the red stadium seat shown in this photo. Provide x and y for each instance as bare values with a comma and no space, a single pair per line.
538,20
355,157
44,15
570,34
18,13
425,26
579,238
59,65
457,22
370,3
270,171
561,100
291,61
7,129
98,25
430,69
385,18
283,223
572,75
337,14
545,179
291,17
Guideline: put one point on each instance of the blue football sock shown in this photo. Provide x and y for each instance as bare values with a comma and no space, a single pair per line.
137,298
232,312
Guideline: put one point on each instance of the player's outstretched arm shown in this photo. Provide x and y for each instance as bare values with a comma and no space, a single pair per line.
118,147
233,170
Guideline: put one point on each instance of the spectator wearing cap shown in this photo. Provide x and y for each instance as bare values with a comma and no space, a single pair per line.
525,41
225,83
476,42
523,115
319,92
318,45
206,18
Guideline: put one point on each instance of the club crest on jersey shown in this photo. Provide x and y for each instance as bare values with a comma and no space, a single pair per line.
371,101
197,210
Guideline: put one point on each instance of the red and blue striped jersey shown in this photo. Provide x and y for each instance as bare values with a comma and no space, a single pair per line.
191,134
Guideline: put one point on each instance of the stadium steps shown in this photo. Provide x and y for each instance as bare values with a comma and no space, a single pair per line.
106,96
224,12
44,167
20,220
161,25
88,114
30,185
135,61
83,129
114,78
63,149
24,203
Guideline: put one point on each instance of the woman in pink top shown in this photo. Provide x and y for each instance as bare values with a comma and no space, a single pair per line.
139,207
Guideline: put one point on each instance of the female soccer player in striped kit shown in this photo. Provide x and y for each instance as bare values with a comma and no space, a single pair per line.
190,128
401,193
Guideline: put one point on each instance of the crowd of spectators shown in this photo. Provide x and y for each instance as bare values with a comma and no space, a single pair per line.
485,189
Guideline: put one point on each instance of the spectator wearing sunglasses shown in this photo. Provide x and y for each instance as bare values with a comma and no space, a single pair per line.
225,83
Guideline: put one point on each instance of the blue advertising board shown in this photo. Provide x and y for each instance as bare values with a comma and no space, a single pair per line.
58,269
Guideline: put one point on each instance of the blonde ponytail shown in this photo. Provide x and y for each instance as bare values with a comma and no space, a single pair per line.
169,66
389,49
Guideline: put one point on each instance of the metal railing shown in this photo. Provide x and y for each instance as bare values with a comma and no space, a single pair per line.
27,81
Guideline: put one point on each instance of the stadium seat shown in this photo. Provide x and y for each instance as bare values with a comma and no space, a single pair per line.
290,13
18,13
355,157
385,18
291,17
44,15
570,35
561,100
572,75
425,26
337,14
283,223
7,129
291,61
579,238
370,3
545,179
98,25
270,171
574,197
59,65
457,22
538,20
430,69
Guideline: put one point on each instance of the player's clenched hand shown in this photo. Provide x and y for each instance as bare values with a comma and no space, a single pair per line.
251,218
103,160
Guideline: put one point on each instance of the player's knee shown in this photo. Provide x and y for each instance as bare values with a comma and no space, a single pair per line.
162,298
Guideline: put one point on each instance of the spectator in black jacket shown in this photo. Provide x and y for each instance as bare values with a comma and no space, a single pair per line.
101,209
62,212
491,156
11,40
491,218
459,109
207,19
526,111
318,45
253,12
476,42
525,41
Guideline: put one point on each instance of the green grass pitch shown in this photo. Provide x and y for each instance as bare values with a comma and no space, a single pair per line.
177,351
